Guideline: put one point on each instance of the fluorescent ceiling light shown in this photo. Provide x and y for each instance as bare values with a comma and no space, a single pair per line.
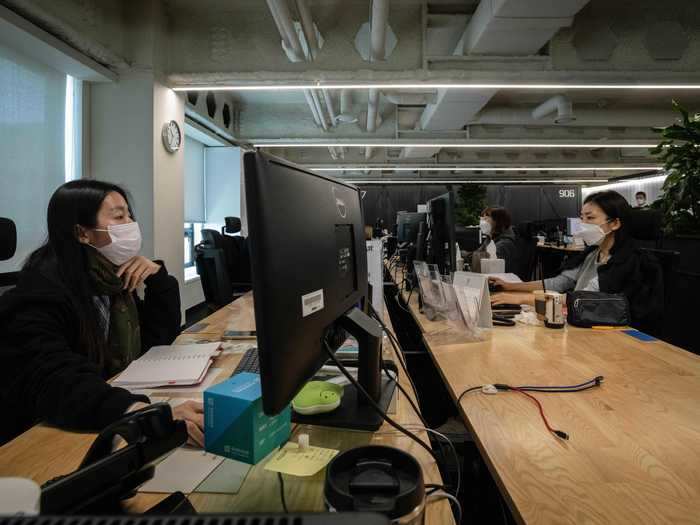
477,181
463,145
426,85
505,169
632,182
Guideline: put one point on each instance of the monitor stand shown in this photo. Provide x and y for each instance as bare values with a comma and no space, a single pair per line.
354,411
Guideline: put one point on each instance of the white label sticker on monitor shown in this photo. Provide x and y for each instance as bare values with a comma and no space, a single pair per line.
311,302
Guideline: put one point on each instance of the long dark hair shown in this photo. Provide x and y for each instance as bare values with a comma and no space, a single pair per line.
615,206
76,203
501,220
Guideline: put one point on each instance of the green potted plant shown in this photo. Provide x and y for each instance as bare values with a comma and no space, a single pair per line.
679,150
470,203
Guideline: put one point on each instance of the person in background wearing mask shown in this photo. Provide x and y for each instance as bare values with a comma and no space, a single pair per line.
641,199
495,225
74,319
609,264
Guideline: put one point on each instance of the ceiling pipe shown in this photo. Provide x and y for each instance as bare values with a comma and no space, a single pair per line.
346,114
372,107
369,151
329,107
378,22
319,109
307,25
285,26
559,103
312,107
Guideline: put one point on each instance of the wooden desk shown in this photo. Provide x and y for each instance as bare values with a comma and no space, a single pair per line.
42,452
569,248
634,449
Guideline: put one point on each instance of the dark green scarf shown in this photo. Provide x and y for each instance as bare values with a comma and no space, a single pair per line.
124,339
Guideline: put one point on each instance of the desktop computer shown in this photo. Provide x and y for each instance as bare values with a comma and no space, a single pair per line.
441,241
309,273
407,225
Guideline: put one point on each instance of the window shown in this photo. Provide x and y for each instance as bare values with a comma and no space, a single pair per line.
39,129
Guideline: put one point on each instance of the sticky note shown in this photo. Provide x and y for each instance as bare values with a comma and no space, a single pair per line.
639,335
296,462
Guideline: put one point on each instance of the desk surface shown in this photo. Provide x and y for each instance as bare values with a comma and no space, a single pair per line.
42,452
566,248
634,449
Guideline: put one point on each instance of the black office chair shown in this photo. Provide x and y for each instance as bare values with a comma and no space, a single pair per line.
669,261
8,246
223,265
527,257
232,226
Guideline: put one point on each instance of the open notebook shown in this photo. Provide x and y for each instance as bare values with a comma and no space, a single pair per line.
169,365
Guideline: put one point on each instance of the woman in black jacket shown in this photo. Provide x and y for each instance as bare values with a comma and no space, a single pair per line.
74,319
611,263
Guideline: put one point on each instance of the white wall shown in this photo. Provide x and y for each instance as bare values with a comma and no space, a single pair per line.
168,185
121,143
126,148
652,186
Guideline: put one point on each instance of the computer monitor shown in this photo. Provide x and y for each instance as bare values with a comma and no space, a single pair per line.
309,272
573,224
407,229
441,239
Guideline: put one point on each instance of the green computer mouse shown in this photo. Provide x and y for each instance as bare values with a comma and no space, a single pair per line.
317,397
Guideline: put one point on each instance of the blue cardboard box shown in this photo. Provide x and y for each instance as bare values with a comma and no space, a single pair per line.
235,425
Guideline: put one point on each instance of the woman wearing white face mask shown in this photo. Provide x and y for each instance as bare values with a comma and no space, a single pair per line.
495,225
74,321
609,264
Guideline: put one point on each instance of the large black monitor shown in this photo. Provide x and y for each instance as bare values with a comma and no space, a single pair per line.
441,239
407,225
309,273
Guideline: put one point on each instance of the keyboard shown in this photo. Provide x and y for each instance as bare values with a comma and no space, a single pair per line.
249,363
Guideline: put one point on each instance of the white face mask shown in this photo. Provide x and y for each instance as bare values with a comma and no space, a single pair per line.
126,242
592,234
485,226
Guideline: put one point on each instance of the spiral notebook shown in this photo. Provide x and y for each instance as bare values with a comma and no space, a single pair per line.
169,365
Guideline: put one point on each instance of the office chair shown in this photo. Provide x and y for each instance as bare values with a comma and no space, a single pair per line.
232,226
8,246
223,264
527,255
670,261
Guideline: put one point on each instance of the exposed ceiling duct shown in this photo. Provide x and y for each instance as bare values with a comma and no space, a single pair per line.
309,28
410,99
516,27
378,25
631,118
559,104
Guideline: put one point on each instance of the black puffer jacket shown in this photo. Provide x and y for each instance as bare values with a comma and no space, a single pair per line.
45,375
636,274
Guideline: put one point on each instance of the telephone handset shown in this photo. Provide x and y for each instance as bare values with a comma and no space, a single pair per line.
106,476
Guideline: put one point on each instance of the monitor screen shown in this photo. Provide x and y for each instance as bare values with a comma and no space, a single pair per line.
309,267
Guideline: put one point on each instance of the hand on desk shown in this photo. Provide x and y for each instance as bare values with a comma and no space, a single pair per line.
192,413
512,298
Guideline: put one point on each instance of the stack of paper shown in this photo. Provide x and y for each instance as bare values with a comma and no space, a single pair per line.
169,365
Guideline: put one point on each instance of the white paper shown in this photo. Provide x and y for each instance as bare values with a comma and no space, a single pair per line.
169,365
182,471
208,381
493,265
506,277
491,250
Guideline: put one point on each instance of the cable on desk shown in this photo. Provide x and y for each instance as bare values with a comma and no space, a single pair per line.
284,501
374,404
439,494
524,390
559,433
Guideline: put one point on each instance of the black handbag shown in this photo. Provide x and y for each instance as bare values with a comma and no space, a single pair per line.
588,309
